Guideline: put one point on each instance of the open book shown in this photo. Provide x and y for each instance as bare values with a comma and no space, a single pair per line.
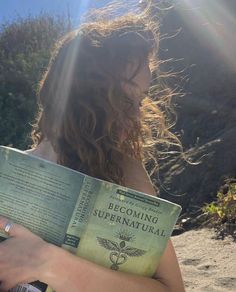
108,224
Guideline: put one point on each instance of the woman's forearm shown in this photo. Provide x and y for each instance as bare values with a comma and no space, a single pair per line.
74,274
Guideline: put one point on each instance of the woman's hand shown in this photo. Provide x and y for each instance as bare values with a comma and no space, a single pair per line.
23,256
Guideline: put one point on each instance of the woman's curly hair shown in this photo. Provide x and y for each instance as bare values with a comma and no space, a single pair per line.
83,106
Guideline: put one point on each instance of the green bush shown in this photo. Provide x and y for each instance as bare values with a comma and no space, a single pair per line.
25,47
222,212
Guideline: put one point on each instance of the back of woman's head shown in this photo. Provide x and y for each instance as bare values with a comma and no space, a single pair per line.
83,104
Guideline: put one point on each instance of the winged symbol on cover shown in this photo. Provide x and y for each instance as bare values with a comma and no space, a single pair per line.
119,250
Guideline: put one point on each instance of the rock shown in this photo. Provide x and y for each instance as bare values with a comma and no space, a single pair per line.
206,116
193,185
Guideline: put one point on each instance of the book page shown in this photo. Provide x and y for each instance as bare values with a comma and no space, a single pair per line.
38,194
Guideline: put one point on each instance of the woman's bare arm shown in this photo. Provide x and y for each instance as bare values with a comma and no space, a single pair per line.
74,274
78,275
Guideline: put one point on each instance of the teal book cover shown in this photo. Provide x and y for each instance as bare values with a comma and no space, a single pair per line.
111,225
126,230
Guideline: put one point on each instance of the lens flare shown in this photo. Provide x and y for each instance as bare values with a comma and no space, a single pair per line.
213,22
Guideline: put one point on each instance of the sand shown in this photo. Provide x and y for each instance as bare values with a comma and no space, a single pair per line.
207,264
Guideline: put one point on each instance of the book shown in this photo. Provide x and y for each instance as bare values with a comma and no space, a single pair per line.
108,224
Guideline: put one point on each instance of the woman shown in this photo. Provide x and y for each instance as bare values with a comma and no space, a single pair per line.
95,117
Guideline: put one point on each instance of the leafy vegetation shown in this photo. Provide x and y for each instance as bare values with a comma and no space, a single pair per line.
25,47
222,212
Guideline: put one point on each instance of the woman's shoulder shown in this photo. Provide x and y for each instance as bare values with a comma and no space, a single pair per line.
136,176
43,150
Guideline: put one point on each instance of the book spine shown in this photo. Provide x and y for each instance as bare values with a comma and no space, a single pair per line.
79,219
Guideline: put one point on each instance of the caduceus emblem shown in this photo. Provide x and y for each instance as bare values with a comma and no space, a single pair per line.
119,250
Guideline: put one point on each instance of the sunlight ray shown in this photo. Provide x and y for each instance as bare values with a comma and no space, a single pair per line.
66,75
214,25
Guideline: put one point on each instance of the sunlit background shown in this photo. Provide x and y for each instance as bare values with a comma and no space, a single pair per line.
12,8
214,23
199,38
198,46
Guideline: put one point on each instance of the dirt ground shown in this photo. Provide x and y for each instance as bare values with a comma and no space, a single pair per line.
207,264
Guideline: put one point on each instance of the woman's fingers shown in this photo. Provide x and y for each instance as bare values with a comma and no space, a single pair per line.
7,225
10,228
23,255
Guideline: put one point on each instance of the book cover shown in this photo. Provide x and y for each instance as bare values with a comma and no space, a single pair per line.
111,225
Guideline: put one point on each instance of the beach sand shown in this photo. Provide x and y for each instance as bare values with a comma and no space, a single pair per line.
207,264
